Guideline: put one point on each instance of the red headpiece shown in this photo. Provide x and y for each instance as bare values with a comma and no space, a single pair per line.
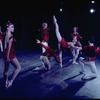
8,23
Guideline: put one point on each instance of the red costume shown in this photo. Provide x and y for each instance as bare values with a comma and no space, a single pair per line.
75,35
91,52
45,34
63,44
50,52
12,51
1,36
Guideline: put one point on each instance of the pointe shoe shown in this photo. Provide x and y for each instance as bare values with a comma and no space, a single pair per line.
6,84
74,62
9,84
36,69
60,65
70,60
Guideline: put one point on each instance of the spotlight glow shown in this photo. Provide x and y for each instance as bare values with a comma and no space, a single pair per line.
92,10
92,1
60,9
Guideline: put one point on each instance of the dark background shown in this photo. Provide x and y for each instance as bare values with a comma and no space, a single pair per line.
28,16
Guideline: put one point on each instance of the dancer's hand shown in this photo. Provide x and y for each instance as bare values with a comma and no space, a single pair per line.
8,59
38,41
80,37
79,48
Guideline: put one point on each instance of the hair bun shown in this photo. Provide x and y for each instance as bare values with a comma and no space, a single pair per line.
8,23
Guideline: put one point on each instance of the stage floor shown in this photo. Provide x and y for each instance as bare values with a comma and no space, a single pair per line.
59,82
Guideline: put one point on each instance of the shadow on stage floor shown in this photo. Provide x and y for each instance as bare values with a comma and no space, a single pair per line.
59,82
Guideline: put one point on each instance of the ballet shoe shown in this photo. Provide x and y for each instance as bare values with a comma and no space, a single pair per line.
70,60
6,84
74,62
36,69
9,84
60,65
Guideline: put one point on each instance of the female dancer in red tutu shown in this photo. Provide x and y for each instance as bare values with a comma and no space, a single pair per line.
91,51
75,52
45,57
76,34
62,43
10,55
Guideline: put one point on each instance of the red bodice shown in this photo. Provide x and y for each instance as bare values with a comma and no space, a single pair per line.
12,51
91,52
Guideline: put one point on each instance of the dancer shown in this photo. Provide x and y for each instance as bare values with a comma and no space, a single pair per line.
91,51
1,39
76,35
10,55
45,57
75,52
62,43
45,35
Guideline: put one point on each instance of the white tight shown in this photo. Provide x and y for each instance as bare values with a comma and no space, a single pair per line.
46,44
59,38
92,66
1,46
46,62
17,66
75,53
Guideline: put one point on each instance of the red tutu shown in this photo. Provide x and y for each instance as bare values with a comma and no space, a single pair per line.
51,52
63,44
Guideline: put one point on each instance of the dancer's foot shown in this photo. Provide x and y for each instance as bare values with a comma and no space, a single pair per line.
8,84
74,62
70,60
36,69
61,65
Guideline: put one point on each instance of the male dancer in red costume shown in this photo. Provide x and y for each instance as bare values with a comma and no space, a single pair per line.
91,51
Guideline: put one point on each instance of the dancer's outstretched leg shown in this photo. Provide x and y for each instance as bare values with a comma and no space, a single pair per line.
57,29
58,37
82,65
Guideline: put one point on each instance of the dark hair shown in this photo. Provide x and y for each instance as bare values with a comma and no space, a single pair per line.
92,39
